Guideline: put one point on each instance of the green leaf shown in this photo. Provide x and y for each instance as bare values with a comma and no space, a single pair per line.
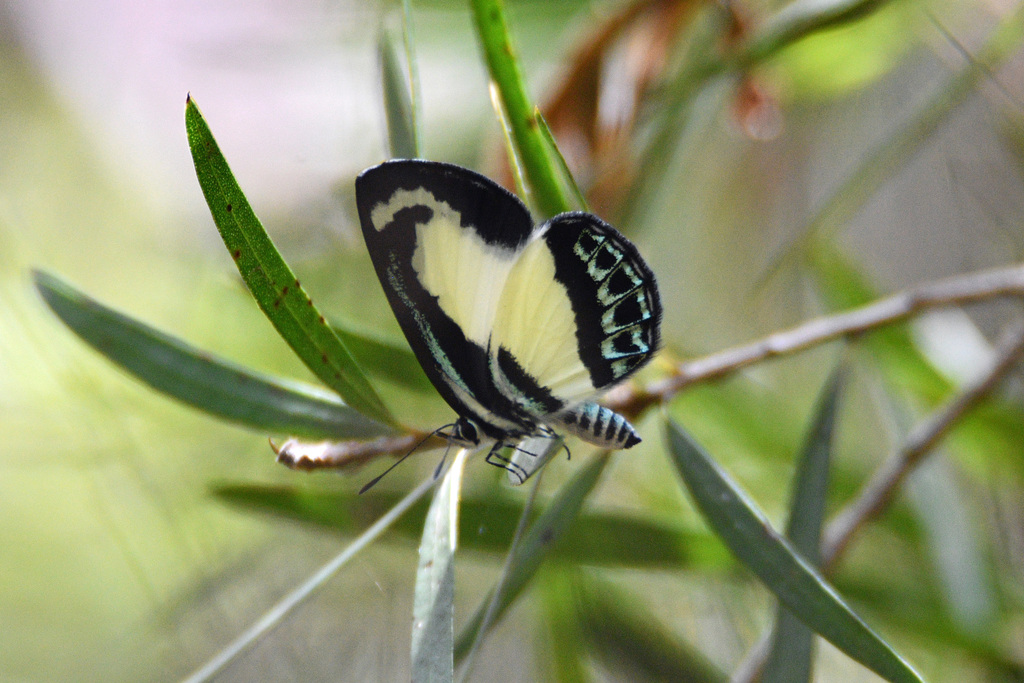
398,107
514,162
535,546
748,533
602,539
836,58
408,42
492,29
628,640
566,177
433,614
802,18
384,358
792,648
271,281
560,639
200,379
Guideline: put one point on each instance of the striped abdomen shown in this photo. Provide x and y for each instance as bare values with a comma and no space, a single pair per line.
597,425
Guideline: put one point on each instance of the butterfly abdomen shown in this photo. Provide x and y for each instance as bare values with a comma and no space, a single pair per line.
598,425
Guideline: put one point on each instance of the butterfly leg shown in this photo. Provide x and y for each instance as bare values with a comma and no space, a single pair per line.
527,456
515,471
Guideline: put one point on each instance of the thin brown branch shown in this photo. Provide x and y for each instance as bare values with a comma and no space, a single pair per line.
630,401
878,493
953,291
303,455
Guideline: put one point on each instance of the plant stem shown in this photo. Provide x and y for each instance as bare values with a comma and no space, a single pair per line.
489,17
878,493
953,291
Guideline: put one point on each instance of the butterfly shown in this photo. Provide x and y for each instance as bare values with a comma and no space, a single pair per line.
518,326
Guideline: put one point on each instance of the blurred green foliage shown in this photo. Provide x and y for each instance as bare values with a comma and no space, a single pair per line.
121,559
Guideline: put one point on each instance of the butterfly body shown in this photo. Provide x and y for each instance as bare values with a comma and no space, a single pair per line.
517,326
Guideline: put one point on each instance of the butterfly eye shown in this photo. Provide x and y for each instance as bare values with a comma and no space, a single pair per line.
464,430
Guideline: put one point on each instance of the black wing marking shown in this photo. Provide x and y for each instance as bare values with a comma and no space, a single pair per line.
494,213
613,293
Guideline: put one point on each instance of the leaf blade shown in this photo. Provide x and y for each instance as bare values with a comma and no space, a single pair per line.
433,634
737,520
385,359
403,140
629,640
534,547
598,539
200,379
503,66
270,280
792,646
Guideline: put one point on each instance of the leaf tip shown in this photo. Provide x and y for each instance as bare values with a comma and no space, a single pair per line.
191,108
48,286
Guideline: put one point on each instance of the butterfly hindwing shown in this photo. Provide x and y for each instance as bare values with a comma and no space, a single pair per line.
580,311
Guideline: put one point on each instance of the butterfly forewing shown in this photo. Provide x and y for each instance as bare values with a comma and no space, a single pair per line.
442,240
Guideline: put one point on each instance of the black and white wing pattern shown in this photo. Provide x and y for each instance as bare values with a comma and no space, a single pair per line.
442,240
516,326
579,313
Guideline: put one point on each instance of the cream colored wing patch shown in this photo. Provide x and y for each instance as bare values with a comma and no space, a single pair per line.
453,263
536,324
457,266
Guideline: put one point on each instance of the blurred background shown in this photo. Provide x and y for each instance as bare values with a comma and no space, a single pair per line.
118,562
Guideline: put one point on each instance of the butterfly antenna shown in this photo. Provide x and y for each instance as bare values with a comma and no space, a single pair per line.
398,462
437,470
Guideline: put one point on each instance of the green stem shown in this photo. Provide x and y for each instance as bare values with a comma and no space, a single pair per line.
548,193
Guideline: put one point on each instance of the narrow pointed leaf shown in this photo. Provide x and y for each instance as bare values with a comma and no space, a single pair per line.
412,71
514,163
624,636
200,379
434,604
398,107
560,640
792,647
270,280
748,533
599,539
800,18
567,179
535,546
385,359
